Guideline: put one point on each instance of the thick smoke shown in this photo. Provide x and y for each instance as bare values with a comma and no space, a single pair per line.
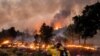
24,14
68,9
30,14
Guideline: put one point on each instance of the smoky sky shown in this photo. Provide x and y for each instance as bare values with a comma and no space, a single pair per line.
30,14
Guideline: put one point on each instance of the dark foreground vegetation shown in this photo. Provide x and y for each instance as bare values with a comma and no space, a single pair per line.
28,52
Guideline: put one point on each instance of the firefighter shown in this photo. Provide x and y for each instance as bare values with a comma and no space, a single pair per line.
63,51
58,50
52,51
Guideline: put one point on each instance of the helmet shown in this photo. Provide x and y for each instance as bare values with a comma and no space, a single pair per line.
58,45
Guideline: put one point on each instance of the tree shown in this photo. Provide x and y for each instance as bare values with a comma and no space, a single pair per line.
11,32
88,23
46,33
37,38
70,32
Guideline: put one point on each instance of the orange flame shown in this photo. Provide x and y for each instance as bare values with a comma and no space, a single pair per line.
6,42
57,25
80,46
34,46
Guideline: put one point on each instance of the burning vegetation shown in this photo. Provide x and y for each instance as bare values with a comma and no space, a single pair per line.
42,46
57,25
43,40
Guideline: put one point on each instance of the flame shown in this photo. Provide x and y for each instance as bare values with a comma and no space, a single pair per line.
81,46
57,25
45,47
6,42
32,46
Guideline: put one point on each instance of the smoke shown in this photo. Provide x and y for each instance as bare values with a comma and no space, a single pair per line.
24,14
69,9
30,14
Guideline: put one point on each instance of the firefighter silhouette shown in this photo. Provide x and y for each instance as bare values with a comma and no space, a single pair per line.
63,51
59,50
